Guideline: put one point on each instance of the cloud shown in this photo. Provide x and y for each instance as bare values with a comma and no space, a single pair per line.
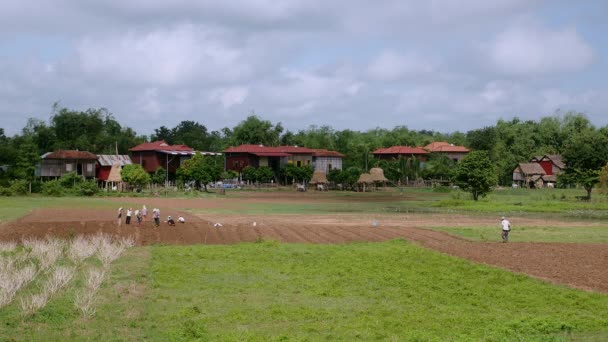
536,50
391,66
229,97
182,54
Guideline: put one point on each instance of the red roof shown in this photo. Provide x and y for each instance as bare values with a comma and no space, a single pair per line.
327,153
254,149
272,154
71,154
400,150
160,146
442,146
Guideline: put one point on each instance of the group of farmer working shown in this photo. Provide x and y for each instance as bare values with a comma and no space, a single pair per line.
141,216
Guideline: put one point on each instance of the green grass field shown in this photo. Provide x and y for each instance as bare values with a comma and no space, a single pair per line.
274,292
591,234
269,291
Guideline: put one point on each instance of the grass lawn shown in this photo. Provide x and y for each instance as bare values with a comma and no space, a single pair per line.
269,291
591,234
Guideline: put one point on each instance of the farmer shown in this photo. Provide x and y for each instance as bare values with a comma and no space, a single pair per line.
119,216
156,216
138,216
181,219
170,221
129,213
144,212
506,228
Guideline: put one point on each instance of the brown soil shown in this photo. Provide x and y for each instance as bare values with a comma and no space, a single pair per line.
578,265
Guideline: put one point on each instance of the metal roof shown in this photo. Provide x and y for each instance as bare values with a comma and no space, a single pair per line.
111,159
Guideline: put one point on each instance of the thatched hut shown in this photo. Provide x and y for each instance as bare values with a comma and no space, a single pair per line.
365,179
318,177
378,175
114,178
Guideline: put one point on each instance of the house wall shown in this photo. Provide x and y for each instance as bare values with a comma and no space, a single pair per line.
323,163
237,162
303,159
147,159
547,165
103,172
59,167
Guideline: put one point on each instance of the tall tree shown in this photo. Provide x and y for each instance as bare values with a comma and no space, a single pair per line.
254,130
476,174
201,170
585,154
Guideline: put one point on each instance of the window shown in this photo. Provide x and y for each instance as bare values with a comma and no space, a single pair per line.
299,163
308,162
69,167
329,167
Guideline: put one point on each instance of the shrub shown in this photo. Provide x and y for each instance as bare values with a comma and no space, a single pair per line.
52,188
70,180
5,191
20,187
88,188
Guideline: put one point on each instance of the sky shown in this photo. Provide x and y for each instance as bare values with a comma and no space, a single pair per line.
442,65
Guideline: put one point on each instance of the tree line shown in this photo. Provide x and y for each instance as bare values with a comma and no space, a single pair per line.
506,143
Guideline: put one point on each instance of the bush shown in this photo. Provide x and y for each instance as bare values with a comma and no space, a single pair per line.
20,187
70,180
37,187
88,188
52,188
5,191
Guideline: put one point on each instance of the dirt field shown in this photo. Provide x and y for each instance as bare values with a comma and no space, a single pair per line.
578,265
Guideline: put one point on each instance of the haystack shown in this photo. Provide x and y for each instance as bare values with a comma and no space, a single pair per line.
377,175
114,176
318,177
365,178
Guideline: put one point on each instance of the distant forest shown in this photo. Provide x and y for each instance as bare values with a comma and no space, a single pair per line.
508,142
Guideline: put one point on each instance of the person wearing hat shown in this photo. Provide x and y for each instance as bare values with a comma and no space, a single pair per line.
506,228
170,221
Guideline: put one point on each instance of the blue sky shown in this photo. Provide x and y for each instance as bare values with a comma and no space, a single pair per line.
443,65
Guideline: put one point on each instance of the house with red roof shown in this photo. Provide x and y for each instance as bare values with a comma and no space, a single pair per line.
454,152
58,163
152,155
239,157
396,152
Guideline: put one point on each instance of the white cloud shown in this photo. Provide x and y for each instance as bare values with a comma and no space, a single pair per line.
229,97
535,50
391,66
163,57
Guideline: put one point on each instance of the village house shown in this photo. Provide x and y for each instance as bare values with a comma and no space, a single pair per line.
541,171
58,163
239,157
454,152
105,163
153,155
406,152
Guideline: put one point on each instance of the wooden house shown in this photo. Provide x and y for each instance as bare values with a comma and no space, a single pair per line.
326,160
396,152
58,163
539,172
105,162
238,157
454,152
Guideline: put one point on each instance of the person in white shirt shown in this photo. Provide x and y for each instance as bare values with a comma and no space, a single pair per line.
506,228
129,213
181,219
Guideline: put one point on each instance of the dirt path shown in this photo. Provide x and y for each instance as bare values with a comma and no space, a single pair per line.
578,265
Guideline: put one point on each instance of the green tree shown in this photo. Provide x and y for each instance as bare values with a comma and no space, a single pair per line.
200,169
27,161
264,174
439,166
476,174
585,154
248,174
254,130
160,176
135,175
